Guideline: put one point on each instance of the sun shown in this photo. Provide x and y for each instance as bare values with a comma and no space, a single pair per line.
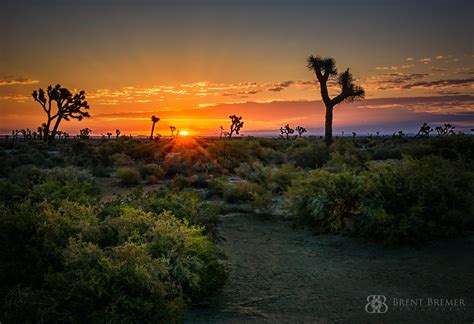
184,133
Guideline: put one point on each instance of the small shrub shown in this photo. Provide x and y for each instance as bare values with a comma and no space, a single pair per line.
128,176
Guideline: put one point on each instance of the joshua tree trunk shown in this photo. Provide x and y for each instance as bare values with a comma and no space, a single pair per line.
55,129
152,130
328,125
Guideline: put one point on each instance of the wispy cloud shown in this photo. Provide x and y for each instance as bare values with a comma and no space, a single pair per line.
448,83
279,86
16,81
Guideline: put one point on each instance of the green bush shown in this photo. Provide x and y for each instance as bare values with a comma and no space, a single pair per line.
327,201
128,176
393,201
412,199
81,263
308,155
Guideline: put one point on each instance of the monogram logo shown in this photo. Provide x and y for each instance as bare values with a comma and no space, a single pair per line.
376,304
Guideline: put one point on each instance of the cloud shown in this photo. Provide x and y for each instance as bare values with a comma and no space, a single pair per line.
16,81
279,86
394,67
439,57
448,83
409,59
438,69
425,60
393,81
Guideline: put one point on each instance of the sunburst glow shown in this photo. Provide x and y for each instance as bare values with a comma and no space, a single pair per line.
184,133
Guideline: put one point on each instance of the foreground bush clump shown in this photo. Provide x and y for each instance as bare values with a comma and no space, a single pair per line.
128,176
392,201
75,260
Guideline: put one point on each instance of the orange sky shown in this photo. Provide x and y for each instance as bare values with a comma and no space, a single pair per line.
193,65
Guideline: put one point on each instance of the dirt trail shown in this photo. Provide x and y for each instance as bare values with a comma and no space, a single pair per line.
279,274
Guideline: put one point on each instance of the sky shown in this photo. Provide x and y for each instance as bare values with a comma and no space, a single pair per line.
193,63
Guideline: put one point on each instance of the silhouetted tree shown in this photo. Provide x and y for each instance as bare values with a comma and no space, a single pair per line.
117,133
108,135
424,131
172,129
445,130
324,69
300,130
154,120
85,133
223,132
399,134
236,125
354,134
286,130
67,106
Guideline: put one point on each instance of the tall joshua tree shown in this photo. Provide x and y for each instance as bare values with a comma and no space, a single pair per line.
154,120
236,125
66,105
324,68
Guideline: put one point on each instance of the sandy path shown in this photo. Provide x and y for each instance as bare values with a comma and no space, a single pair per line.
280,274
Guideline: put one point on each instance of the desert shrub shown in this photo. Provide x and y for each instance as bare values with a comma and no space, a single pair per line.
185,205
281,177
152,172
385,152
76,262
254,172
230,153
327,201
454,147
179,182
395,201
200,180
218,184
272,156
346,155
408,200
308,155
122,160
128,176
416,149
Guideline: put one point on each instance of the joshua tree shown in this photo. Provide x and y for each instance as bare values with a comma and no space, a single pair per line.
223,132
117,133
325,68
446,129
286,130
424,131
67,106
300,130
354,134
172,129
85,133
236,125
154,120
399,134
108,135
